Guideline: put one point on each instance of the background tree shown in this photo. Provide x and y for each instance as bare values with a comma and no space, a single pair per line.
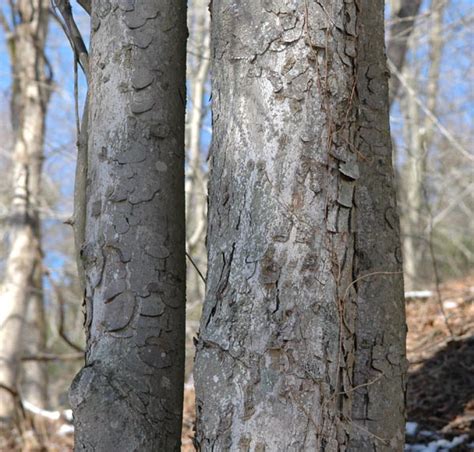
402,20
295,351
446,211
433,160
22,284
134,249
197,139
418,134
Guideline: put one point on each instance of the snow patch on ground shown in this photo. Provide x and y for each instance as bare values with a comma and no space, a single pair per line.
437,444
65,429
411,428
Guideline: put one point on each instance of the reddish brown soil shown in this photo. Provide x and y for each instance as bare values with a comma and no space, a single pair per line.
441,355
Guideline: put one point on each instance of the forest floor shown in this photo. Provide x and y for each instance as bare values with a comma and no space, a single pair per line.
440,399
440,348
440,351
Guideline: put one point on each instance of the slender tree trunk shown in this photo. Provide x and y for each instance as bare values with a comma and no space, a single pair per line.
35,375
196,180
411,187
128,396
402,18
30,95
295,350
402,24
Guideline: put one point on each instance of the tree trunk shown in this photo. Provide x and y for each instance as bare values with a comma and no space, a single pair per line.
418,136
411,187
295,351
379,377
35,376
30,95
198,76
134,248
196,177
402,22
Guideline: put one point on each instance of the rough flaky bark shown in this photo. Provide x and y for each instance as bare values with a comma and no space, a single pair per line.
128,396
378,407
30,95
301,344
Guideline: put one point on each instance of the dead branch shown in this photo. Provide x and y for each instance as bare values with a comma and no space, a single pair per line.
86,5
53,357
71,30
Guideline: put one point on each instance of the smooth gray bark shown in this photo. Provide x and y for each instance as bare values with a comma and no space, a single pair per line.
128,396
35,373
301,345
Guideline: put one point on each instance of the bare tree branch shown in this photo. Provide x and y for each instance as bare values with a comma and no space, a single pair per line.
86,5
53,357
4,23
445,132
196,268
73,34
61,328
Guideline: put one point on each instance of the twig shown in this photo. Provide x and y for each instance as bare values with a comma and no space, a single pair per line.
363,385
4,23
86,5
17,401
196,267
309,415
72,32
13,392
76,101
53,357
437,278
61,329
366,276
445,132
373,435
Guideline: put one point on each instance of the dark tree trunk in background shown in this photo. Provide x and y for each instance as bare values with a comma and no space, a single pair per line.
129,394
402,18
380,367
302,341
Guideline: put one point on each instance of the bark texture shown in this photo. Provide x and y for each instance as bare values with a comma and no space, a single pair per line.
301,344
128,396
380,367
30,95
